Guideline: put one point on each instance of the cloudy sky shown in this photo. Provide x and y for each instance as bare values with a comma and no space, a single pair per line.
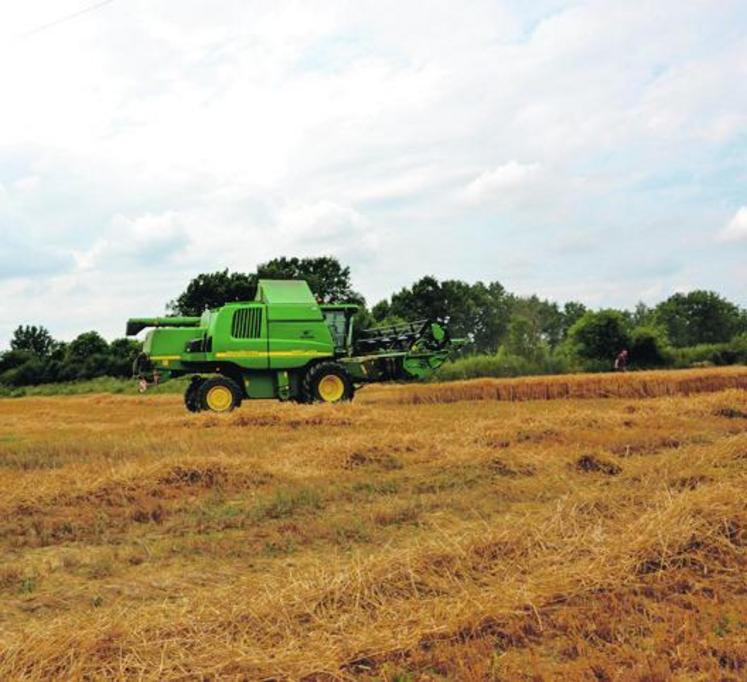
593,151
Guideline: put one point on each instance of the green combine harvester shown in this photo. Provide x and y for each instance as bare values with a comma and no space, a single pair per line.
283,345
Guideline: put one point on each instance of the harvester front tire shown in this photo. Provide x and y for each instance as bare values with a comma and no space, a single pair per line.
327,382
191,395
219,394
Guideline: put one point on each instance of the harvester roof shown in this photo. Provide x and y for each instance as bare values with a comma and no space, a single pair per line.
284,291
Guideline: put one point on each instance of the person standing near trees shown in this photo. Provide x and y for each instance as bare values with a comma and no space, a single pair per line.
621,361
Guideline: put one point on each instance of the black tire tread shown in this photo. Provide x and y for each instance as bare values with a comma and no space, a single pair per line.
208,383
191,398
308,383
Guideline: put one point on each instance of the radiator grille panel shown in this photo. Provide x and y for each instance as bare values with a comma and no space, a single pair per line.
247,323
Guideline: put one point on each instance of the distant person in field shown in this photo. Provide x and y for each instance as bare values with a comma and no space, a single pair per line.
621,361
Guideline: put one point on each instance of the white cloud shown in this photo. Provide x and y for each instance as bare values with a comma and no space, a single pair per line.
321,221
324,227
736,228
503,183
143,241
28,183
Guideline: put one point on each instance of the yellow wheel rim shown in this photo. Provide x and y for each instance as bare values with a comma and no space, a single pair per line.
219,398
331,388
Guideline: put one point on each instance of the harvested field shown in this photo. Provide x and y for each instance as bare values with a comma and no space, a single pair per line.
420,533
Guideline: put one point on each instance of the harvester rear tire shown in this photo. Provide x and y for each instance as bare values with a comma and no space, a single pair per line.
327,382
219,394
191,395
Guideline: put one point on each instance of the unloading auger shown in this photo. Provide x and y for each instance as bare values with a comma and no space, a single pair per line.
283,345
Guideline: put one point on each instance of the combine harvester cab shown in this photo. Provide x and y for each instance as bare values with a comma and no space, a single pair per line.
283,345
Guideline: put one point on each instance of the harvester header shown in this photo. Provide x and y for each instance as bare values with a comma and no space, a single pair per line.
285,345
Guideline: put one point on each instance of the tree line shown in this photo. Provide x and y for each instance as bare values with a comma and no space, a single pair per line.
506,333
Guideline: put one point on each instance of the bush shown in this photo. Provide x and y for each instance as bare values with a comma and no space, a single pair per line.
599,336
731,353
87,357
649,347
502,364
30,373
14,358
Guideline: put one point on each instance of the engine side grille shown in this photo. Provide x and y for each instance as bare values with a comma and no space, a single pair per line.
247,323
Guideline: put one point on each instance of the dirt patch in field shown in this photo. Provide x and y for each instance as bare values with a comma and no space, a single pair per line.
206,477
501,441
689,482
378,457
291,423
264,420
539,436
243,420
495,442
320,420
501,467
730,413
646,447
593,464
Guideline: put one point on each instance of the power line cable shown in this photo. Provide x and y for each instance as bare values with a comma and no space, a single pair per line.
65,19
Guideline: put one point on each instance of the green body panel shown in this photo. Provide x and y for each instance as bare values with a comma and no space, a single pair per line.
165,346
261,384
293,344
266,344
250,353
423,366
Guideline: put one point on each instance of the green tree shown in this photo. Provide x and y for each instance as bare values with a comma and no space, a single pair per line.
546,316
212,290
478,312
573,311
122,353
642,316
381,310
698,317
461,308
491,318
524,338
86,345
599,335
36,340
424,300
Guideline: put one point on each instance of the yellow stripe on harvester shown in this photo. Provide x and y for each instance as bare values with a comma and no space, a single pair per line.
275,353
248,354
